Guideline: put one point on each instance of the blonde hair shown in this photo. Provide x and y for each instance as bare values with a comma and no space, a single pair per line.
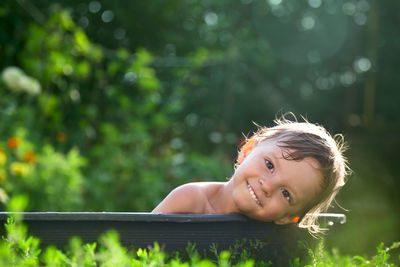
301,140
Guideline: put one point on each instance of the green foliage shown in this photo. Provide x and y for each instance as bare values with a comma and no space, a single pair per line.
42,173
58,174
321,257
19,249
108,103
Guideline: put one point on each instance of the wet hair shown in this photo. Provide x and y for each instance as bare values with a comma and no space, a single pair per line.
300,140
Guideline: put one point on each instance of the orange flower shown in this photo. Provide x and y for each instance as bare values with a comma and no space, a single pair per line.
61,137
30,157
296,219
13,142
245,150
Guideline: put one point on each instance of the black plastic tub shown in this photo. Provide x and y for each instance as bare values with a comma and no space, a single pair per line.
275,243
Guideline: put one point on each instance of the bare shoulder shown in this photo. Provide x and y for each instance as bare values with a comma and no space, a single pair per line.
187,198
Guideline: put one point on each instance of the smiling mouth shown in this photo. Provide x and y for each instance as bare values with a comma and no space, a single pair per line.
253,195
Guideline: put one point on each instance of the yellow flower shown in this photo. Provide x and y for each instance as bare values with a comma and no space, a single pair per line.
3,157
3,176
19,168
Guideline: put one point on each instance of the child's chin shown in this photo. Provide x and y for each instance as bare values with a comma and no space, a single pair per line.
258,217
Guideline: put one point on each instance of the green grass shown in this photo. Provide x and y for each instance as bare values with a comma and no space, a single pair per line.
19,249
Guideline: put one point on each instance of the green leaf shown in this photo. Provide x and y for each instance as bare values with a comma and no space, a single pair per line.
82,43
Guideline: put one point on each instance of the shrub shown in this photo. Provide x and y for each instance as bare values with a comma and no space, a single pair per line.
42,174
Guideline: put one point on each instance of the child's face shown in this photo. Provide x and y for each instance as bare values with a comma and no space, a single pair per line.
268,187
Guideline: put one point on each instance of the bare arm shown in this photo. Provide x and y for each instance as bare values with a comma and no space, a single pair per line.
187,198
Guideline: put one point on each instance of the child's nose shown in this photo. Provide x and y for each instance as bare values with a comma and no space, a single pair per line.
267,185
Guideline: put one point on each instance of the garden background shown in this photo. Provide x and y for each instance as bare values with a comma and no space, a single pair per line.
108,105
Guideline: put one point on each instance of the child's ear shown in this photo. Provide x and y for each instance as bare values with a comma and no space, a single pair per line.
287,220
245,150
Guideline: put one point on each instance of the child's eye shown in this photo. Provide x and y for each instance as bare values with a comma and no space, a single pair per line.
269,165
286,194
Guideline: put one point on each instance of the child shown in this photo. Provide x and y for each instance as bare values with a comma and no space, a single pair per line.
283,174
